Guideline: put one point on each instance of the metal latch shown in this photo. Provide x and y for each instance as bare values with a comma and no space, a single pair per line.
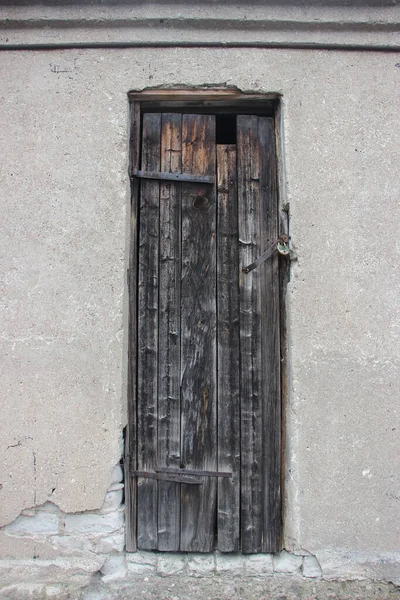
279,245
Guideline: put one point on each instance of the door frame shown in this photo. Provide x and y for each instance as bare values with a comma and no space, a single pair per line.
210,100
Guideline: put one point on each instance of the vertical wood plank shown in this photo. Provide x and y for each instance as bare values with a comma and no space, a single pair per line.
169,333
130,450
284,277
270,340
147,374
198,334
249,199
228,350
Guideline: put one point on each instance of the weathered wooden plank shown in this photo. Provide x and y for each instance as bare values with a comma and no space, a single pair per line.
130,437
228,351
249,199
169,452
284,276
148,335
270,340
198,334
165,477
197,473
167,176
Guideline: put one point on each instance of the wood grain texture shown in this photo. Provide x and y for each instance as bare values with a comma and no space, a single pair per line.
147,377
165,175
169,451
198,334
252,467
228,530
130,451
260,338
270,340
207,357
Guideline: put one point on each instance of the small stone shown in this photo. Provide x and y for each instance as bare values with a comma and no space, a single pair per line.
112,500
114,563
115,486
230,564
109,543
170,564
200,565
259,565
93,523
39,524
311,567
117,474
141,557
70,544
284,562
135,569
140,563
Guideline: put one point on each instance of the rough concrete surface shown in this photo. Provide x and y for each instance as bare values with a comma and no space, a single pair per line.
319,23
180,588
64,229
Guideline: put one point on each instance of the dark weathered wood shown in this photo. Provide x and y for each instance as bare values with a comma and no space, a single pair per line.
198,334
252,467
197,472
148,335
169,451
166,176
130,452
228,533
187,278
270,340
284,276
260,338
163,478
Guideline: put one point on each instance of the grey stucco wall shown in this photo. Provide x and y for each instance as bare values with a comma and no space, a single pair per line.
64,190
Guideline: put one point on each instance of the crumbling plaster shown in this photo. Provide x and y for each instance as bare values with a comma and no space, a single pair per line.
65,198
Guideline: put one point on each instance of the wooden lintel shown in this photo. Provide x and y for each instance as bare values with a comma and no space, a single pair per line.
201,96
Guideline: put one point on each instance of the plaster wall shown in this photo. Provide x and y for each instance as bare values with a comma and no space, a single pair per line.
64,236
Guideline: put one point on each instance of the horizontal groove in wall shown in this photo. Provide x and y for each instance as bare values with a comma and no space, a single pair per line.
271,45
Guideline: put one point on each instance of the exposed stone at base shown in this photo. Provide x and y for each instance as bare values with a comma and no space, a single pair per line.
170,576
45,533
279,587
46,553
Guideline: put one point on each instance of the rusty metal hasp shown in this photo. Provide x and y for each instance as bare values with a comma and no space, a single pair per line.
280,245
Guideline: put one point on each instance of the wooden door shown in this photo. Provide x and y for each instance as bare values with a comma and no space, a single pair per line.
204,443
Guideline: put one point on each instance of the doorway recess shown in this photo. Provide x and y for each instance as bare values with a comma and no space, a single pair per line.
203,458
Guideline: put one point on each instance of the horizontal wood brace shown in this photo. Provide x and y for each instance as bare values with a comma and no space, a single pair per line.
174,176
195,472
179,475
166,477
